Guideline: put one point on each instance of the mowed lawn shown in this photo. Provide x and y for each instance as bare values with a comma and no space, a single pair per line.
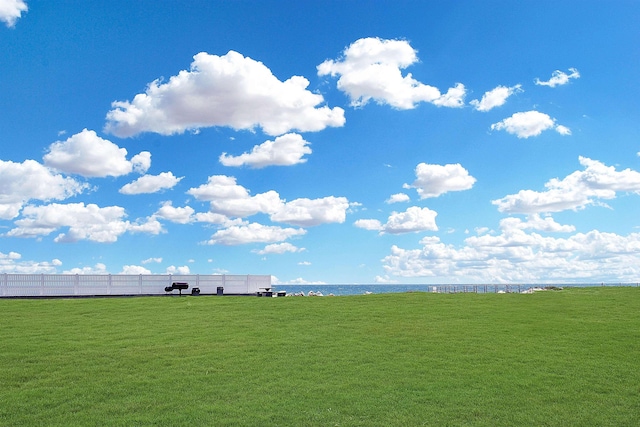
554,358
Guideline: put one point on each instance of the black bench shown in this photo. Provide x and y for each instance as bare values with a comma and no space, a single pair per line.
177,285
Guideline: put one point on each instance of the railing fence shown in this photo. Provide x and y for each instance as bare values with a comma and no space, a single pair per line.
45,285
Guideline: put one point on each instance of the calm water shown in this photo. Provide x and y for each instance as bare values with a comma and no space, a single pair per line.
381,289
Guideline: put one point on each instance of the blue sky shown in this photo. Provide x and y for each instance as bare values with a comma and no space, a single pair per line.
322,142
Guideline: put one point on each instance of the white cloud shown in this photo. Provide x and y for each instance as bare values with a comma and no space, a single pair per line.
384,279
310,212
575,191
141,162
10,11
99,268
178,270
89,222
87,154
495,97
300,281
285,150
150,260
558,78
13,263
279,248
147,184
519,257
413,220
134,269
228,198
230,90
370,69
563,130
529,123
535,222
178,215
21,182
210,217
397,198
369,224
253,233
434,180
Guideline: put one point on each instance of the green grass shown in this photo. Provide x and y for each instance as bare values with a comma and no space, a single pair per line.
548,359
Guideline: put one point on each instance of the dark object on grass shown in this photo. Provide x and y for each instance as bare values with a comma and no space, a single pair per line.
179,286
195,291
220,291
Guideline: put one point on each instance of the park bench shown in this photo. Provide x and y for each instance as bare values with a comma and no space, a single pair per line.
177,285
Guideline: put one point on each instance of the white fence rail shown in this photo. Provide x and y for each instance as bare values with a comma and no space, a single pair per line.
49,285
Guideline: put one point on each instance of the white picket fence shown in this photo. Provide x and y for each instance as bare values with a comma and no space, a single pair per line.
50,285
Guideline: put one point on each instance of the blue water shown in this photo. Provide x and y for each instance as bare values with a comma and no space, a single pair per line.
338,290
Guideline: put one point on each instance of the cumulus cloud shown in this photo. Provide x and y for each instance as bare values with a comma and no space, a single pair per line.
30,180
413,220
178,270
535,222
12,263
516,256
177,215
310,212
149,260
226,197
285,150
99,268
558,78
83,222
134,269
563,130
369,224
495,98
279,249
529,123
574,192
210,217
434,180
229,90
187,215
87,154
151,184
397,198
371,69
253,233
11,10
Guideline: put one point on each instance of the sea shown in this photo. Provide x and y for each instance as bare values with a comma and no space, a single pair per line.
365,289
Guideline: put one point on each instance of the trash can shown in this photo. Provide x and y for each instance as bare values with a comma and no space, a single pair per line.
220,291
195,291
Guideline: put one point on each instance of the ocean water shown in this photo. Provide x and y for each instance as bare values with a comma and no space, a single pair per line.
339,290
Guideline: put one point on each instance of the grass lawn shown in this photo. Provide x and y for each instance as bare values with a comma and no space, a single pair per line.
555,358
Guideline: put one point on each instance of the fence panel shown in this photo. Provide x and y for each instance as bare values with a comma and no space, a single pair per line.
45,285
